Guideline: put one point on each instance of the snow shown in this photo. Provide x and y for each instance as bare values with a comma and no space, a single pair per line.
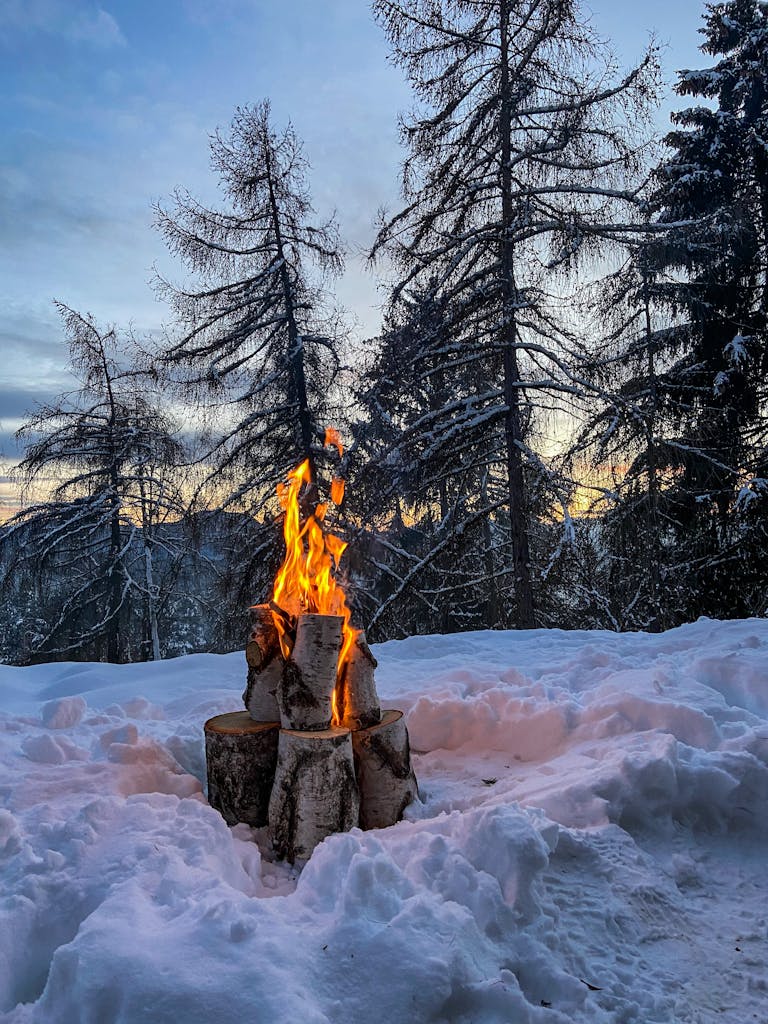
737,351
590,845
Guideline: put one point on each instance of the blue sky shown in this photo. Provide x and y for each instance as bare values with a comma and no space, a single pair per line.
105,108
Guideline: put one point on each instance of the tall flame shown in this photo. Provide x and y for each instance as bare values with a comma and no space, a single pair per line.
305,581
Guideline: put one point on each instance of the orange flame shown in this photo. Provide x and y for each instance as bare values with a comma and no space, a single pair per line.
332,436
305,581
337,490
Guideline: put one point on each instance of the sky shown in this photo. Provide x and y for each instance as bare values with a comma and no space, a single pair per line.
106,108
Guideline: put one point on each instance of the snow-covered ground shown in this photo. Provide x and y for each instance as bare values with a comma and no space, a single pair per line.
590,846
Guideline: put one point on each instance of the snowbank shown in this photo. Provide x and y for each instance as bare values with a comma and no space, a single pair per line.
589,846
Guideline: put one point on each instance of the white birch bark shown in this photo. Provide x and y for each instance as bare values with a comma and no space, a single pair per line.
384,774
309,676
315,792
357,698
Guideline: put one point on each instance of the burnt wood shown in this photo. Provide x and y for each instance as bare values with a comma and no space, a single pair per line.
265,666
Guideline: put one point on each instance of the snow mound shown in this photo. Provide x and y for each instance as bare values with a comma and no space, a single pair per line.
588,845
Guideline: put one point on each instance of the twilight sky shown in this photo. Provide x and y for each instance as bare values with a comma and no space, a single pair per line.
104,109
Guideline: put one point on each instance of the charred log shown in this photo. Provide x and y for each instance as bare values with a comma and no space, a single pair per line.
265,666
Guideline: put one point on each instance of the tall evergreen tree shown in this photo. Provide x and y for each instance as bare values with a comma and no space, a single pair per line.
621,452
520,162
710,273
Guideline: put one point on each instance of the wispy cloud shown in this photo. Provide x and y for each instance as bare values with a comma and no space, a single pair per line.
98,28
78,22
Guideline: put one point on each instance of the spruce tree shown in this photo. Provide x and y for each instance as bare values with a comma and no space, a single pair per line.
711,277
431,523
619,451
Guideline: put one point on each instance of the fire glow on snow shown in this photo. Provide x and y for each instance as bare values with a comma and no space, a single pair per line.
590,850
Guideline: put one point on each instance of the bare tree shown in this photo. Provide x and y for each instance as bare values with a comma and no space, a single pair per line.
258,343
100,460
522,162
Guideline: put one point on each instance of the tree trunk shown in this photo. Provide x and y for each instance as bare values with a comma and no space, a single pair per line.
654,548
384,774
309,675
496,615
151,599
114,647
295,341
241,756
518,513
356,697
315,792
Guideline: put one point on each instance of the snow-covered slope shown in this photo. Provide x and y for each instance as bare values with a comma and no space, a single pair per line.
590,846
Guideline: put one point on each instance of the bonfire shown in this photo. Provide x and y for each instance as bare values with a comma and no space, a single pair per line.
313,753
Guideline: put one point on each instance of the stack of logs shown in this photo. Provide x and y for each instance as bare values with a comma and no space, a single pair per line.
283,764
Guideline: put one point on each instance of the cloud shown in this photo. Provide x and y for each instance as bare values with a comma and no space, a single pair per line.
98,28
33,349
79,23
15,403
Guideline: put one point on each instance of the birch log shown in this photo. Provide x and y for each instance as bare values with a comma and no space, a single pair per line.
265,666
315,792
241,757
309,675
357,699
384,774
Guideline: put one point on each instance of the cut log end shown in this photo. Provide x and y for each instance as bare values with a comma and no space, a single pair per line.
241,757
236,723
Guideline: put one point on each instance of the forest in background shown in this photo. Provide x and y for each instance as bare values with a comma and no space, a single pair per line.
561,423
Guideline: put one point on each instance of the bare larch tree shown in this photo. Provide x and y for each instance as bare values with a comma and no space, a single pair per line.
521,162
100,460
257,342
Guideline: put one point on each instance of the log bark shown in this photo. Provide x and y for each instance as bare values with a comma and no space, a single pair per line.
241,757
309,675
265,666
261,692
357,699
315,792
384,774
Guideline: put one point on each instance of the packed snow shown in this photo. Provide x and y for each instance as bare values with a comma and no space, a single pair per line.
589,845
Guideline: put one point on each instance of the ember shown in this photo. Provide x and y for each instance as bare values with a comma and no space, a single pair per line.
315,754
